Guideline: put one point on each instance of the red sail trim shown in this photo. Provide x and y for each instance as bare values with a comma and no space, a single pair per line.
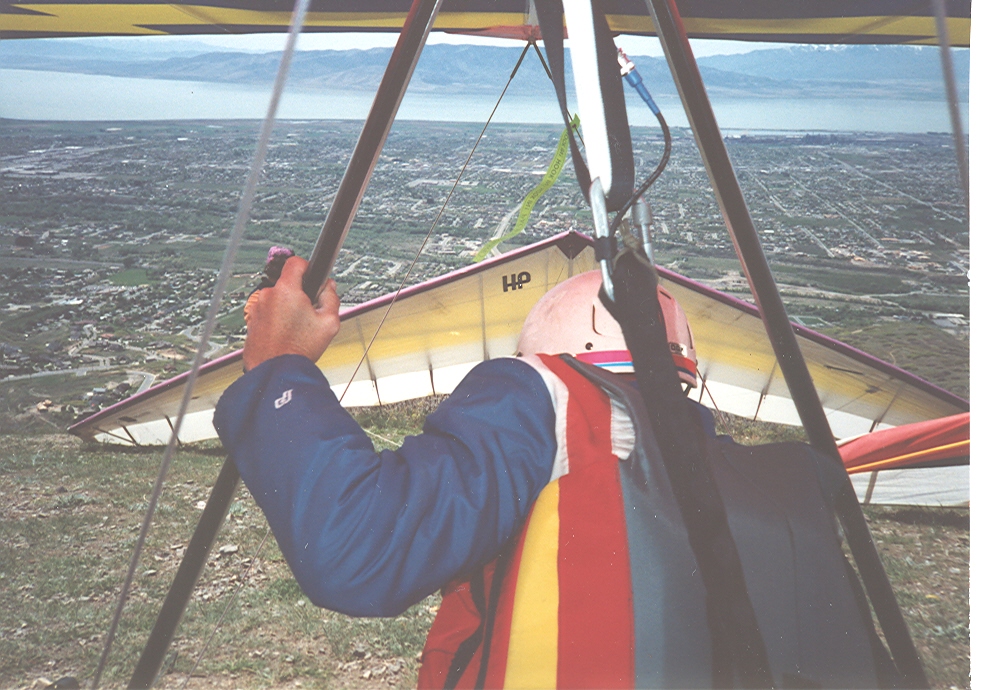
938,442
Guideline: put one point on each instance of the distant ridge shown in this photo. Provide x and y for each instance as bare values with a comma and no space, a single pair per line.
798,72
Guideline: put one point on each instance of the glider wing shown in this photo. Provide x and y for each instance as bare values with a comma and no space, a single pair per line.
936,443
789,21
436,331
431,336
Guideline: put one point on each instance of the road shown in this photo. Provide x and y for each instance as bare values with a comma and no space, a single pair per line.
147,378
214,347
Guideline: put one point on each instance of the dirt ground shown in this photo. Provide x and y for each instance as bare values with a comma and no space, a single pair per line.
69,518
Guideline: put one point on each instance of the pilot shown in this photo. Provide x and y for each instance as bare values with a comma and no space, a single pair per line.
510,501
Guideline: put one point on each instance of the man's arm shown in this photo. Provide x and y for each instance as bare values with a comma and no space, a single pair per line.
368,533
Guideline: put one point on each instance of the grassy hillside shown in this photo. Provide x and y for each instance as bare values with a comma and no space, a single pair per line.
69,516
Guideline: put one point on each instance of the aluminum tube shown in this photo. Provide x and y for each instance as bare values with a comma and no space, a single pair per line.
192,563
398,72
947,67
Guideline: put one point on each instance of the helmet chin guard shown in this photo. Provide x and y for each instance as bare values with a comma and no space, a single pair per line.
571,318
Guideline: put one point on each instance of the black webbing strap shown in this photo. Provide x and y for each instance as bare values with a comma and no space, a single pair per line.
550,14
495,589
482,636
738,650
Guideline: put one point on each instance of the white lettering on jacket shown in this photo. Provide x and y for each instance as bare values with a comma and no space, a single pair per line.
283,399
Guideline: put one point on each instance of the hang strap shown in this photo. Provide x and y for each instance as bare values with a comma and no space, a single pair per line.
739,653
550,14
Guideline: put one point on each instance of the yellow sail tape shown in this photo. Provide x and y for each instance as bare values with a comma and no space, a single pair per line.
533,196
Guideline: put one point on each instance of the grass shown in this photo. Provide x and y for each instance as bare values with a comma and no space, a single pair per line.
921,349
130,277
69,516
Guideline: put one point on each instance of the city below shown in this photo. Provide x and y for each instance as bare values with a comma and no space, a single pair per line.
111,234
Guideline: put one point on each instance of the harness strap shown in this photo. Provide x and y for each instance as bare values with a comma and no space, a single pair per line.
495,589
619,143
486,607
739,653
550,14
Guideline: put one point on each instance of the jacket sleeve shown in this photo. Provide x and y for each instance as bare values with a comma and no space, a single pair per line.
369,534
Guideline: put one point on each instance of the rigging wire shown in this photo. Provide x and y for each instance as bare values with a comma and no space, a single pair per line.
550,76
441,211
648,182
723,417
225,271
225,610
393,443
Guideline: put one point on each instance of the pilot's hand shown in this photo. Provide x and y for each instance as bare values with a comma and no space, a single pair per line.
282,320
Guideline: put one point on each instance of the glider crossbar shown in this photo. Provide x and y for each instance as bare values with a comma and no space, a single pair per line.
244,578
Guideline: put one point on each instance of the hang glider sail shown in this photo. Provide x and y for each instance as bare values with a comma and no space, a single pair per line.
436,331
790,21
940,442
922,463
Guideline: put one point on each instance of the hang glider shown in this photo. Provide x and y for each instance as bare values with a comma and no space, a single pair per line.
436,331
790,21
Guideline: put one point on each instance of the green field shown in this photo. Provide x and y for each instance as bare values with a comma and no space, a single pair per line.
130,277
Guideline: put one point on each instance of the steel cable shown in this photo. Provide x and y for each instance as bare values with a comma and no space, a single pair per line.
435,223
235,237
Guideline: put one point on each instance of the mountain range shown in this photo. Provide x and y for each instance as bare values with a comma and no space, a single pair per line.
900,72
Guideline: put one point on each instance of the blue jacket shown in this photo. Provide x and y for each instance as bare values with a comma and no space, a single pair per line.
369,534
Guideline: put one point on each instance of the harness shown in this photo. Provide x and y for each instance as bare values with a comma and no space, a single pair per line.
627,607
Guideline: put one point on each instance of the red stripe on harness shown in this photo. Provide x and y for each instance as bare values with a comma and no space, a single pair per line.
595,616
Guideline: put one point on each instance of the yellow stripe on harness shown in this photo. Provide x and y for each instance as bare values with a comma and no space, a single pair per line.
532,658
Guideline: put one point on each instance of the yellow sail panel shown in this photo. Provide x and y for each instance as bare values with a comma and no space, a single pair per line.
477,316
863,21
741,375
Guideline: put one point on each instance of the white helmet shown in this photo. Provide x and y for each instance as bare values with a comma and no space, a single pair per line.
571,318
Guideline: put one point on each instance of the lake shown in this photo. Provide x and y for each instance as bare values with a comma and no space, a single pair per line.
34,95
